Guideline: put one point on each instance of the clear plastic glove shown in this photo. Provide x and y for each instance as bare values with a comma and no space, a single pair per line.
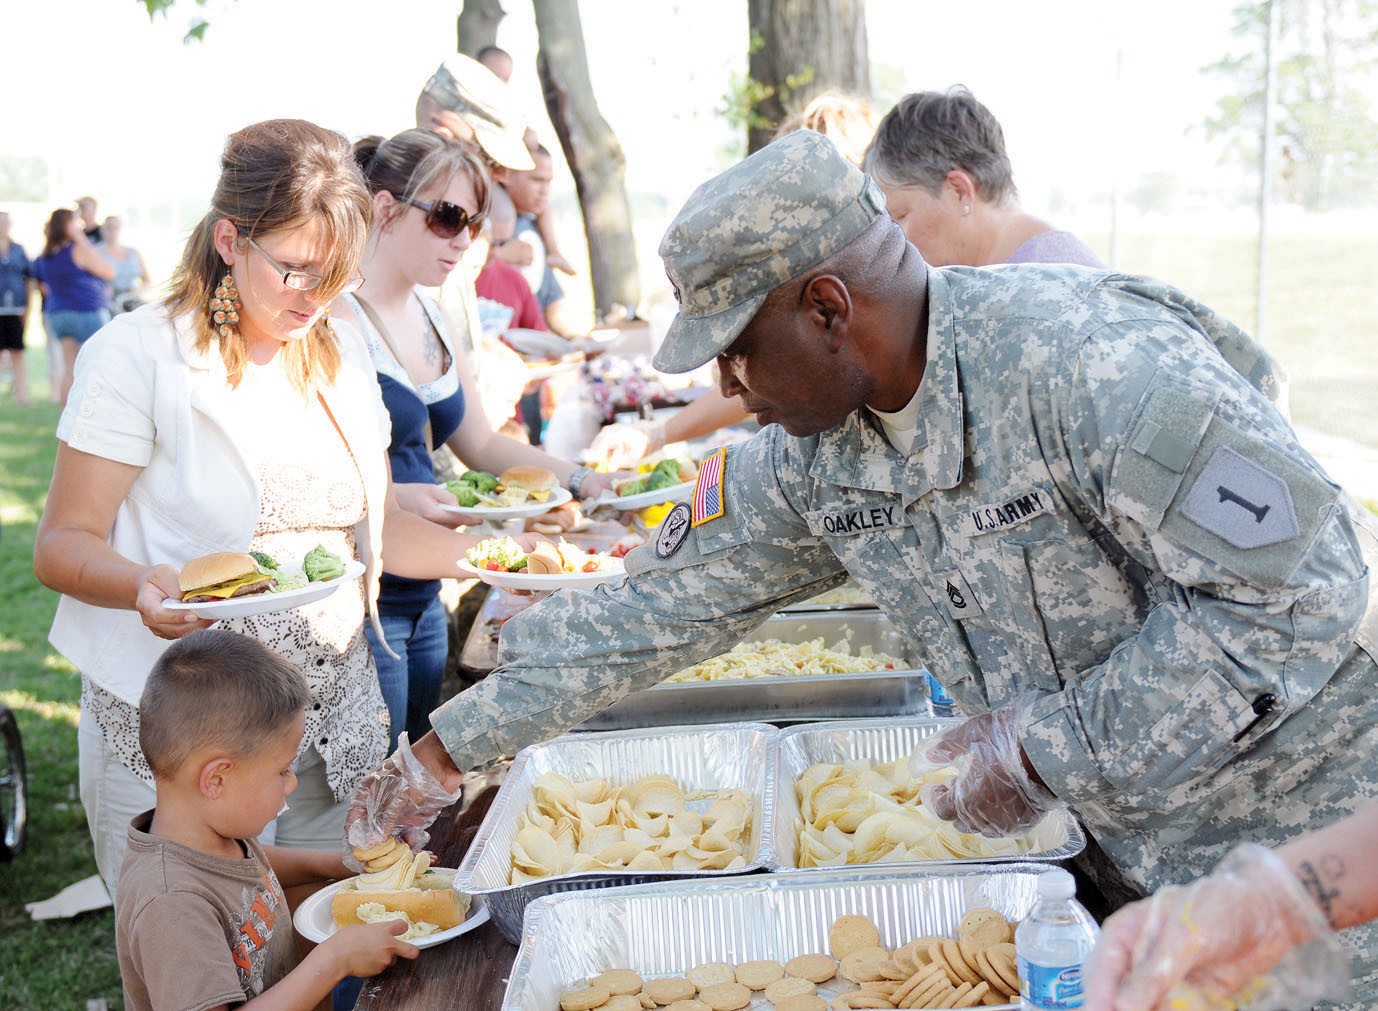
993,794
400,798
1246,935
625,445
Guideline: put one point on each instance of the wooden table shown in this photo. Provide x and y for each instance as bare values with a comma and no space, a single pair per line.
470,972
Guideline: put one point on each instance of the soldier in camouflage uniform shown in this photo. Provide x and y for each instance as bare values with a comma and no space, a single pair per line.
1101,536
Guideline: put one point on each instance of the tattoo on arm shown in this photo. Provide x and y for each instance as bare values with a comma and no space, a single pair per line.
1321,882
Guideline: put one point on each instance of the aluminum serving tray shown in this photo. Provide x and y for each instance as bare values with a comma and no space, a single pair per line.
1057,837
727,756
789,699
664,929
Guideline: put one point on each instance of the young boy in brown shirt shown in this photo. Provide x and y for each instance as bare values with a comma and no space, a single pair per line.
201,921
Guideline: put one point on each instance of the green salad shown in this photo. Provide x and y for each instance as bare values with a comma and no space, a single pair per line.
665,474
497,554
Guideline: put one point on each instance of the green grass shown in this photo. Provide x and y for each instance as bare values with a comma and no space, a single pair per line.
1322,314
57,963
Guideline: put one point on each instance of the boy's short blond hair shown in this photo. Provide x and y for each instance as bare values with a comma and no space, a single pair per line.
215,688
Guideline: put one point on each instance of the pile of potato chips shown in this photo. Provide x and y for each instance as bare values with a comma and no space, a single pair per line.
860,812
648,825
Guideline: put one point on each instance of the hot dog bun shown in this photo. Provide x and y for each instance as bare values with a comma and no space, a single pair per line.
544,559
433,899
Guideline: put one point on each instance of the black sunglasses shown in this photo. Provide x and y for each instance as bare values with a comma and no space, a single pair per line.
444,218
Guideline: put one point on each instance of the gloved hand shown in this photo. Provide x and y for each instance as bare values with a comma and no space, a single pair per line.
624,445
1245,935
993,794
399,798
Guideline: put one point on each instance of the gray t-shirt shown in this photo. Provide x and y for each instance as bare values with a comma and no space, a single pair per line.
195,931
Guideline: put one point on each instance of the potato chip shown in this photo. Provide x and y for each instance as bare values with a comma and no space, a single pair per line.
646,825
860,812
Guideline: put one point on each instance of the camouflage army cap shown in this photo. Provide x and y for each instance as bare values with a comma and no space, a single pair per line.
481,99
742,234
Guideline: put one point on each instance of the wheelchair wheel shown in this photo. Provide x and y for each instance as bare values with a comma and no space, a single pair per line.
14,791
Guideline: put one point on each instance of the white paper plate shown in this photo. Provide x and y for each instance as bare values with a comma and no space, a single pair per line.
546,370
542,581
674,493
558,497
541,343
265,603
314,922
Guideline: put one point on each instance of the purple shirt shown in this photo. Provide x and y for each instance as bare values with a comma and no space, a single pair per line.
1056,247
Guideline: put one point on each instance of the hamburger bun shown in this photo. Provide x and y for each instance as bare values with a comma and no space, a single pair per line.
544,559
535,481
220,576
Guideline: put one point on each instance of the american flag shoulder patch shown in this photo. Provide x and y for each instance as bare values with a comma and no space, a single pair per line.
709,501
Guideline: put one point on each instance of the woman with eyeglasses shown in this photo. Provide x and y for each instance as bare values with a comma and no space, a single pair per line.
234,417
430,196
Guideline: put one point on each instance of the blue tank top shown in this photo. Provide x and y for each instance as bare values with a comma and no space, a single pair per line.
70,288
409,407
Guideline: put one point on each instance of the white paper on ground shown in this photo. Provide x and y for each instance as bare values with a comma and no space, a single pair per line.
81,897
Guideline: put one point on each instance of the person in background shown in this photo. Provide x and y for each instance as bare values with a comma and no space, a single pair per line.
126,287
940,158
1155,605
73,276
464,101
203,918
499,61
505,300
15,284
430,196
1260,916
848,121
233,417
530,193
90,224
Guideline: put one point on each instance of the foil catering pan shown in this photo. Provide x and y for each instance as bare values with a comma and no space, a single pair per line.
1057,837
789,698
666,928
728,756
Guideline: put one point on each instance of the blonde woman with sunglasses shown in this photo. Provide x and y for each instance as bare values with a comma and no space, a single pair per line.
234,417
430,196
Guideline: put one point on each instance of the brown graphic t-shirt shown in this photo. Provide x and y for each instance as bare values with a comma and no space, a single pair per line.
195,931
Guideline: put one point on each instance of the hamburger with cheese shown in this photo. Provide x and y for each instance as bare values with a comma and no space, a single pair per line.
537,482
221,576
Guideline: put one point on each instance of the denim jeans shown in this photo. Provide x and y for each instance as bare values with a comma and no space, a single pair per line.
411,684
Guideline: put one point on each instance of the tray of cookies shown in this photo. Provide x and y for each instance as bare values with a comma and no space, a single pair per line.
795,666
940,937
589,811
845,795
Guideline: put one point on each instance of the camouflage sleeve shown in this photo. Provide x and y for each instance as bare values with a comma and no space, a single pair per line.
687,597
1249,557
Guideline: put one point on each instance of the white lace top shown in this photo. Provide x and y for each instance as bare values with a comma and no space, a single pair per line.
312,494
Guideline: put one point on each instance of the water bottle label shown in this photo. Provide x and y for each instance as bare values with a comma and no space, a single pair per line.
943,703
1050,987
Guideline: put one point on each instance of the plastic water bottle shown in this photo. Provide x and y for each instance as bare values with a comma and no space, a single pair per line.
1053,945
939,700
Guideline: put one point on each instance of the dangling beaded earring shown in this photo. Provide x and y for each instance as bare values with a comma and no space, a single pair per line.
225,305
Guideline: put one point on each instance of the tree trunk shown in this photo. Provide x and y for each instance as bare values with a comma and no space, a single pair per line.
800,48
595,157
477,25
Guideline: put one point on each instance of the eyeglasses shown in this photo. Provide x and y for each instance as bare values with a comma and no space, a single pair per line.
445,219
300,280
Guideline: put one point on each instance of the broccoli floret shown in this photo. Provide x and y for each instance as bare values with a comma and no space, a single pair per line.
463,491
482,481
633,487
265,562
321,564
